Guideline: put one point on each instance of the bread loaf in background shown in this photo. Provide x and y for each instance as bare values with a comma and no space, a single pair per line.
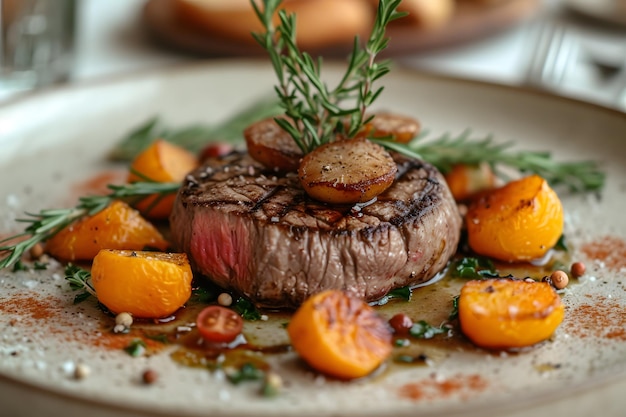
427,14
320,23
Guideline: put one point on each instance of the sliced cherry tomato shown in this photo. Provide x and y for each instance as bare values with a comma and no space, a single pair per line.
219,324
215,149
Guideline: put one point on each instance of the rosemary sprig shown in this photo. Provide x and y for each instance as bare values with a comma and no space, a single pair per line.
192,137
446,151
313,110
47,223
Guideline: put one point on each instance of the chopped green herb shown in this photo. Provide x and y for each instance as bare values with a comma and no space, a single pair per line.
454,314
403,293
40,266
247,372
402,342
137,347
561,244
204,294
474,268
81,296
423,330
19,266
246,309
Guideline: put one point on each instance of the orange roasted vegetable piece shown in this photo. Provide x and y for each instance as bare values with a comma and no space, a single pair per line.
518,222
400,128
162,161
466,181
144,284
340,335
507,314
118,226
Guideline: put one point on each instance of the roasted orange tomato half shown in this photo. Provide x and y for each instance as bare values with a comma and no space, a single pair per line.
118,226
507,314
144,284
162,161
520,221
340,335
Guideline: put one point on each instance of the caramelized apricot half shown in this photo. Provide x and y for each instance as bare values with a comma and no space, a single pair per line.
507,314
400,128
143,284
518,222
118,226
162,161
466,181
340,335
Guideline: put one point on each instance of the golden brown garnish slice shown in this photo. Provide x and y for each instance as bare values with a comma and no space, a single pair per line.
270,145
400,128
347,171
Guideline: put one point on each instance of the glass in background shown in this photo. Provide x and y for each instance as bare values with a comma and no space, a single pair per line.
36,43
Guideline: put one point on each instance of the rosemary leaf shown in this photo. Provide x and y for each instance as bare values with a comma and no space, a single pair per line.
446,151
317,112
47,223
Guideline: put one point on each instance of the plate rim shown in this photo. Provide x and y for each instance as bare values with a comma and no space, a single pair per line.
607,378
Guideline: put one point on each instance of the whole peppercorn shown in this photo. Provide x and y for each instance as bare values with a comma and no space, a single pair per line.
149,376
559,279
578,269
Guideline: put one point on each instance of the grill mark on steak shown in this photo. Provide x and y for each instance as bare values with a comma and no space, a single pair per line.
256,232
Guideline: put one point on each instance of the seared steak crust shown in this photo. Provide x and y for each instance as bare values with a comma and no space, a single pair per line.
256,232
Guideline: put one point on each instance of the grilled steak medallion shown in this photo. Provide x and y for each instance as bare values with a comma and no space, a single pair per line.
256,232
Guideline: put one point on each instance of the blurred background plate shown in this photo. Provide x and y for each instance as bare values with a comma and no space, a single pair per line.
470,22
609,11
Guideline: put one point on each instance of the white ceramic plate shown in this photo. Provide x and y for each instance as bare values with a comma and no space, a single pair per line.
612,11
53,142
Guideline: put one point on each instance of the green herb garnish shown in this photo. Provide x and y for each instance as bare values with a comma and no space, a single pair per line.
423,330
454,313
136,347
446,151
474,268
79,280
47,223
19,266
246,309
314,111
247,372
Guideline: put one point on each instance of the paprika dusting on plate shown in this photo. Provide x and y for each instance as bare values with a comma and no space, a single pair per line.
435,388
610,250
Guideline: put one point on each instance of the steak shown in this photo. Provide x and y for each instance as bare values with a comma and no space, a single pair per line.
256,232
